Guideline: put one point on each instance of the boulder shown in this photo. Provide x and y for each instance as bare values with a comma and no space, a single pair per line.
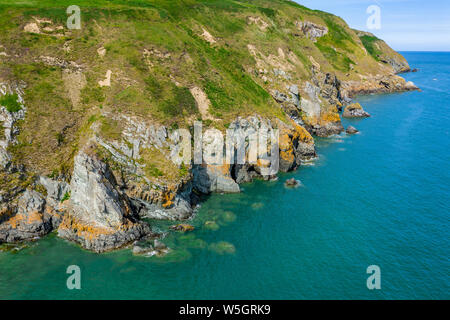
143,248
182,227
292,183
355,110
351,130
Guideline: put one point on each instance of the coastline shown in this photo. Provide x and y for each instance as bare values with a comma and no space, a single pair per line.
111,157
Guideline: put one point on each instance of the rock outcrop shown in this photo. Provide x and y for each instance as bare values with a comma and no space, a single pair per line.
9,118
28,219
99,216
311,30
355,110
351,130
375,84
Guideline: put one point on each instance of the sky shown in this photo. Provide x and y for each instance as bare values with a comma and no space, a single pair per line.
406,25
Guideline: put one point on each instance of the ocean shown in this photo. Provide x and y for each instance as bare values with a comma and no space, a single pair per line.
380,197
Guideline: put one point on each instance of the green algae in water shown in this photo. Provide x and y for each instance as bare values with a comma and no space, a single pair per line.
14,247
222,247
227,217
191,241
211,225
257,205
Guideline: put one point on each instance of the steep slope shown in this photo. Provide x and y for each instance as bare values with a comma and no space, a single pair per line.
113,94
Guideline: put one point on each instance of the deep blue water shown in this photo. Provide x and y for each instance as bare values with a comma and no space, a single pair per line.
381,197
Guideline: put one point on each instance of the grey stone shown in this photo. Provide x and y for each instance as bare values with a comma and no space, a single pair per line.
351,130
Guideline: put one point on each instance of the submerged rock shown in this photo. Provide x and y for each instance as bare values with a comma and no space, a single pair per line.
355,110
211,225
351,130
222,247
149,248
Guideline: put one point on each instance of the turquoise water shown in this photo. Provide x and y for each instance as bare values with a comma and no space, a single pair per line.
381,197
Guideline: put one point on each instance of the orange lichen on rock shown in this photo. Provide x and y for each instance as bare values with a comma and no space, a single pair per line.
302,134
168,198
182,227
286,145
28,218
223,169
263,163
330,116
356,105
83,229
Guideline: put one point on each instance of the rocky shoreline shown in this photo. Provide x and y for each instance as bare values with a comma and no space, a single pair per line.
105,206
122,166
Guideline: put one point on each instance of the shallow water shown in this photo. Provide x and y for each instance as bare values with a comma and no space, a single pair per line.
381,197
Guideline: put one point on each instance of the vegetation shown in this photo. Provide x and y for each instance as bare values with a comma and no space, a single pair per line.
369,44
66,196
157,52
10,102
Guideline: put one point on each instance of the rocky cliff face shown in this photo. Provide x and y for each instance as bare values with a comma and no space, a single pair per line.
89,119
98,215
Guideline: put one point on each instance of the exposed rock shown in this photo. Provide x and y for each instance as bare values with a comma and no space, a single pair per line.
374,84
311,30
182,227
143,248
101,51
99,216
214,178
107,81
9,119
411,86
32,27
27,221
208,37
55,190
292,183
351,130
203,102
262,25
60,63
295,144
355,110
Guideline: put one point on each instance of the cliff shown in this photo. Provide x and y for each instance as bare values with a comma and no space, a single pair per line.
89,116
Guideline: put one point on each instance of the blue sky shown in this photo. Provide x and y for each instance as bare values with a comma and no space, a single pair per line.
408,25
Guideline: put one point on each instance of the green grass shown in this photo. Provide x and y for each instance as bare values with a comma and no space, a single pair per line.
110,129
152,87
66,196
369,44
10,102
339,60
